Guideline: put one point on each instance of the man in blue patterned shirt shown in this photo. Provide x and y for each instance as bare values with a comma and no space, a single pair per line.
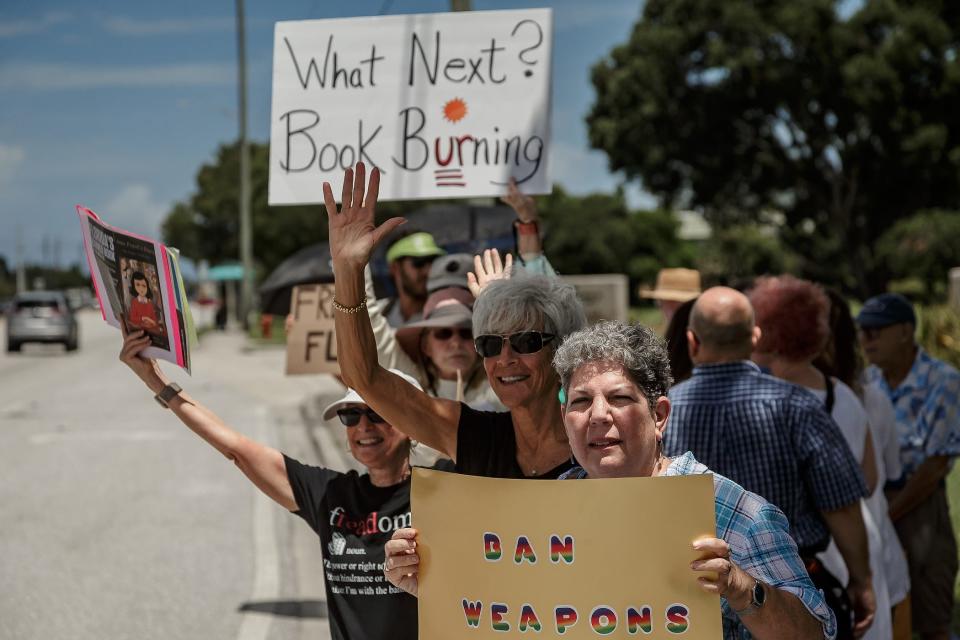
773,438
925,393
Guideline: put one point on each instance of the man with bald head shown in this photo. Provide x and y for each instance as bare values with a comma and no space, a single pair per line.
775,439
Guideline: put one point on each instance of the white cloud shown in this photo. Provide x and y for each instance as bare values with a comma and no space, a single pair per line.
133,27
134,208
11,158
55,76
27,26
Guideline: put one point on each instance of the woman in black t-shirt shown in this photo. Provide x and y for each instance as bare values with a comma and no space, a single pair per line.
353,514
517,324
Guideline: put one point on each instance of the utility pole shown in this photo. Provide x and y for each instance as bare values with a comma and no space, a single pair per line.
246,226
21,265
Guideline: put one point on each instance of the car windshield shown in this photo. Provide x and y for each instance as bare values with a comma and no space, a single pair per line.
37,307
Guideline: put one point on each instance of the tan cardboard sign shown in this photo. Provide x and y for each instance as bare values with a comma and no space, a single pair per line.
312,341
572,559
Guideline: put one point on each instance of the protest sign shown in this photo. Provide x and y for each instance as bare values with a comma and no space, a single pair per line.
446,105
577,559
312,341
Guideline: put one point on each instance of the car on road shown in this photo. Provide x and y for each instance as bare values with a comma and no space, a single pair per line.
41,316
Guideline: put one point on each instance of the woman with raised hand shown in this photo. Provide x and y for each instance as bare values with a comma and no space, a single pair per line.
517,324
352,513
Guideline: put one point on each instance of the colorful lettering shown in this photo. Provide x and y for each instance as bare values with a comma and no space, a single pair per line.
528,619
491,547
562,549
566,617
603,620
641,620
497,611
472,611
524,551
677,618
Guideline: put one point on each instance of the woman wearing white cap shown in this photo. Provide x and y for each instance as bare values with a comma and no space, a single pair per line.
353,514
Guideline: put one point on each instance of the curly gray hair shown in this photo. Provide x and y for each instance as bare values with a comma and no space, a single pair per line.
527,302
641,352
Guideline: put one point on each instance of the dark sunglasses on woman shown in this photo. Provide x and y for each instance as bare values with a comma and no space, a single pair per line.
525,342
446,333
351,417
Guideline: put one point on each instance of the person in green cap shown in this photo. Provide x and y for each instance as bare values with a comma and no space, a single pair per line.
409,257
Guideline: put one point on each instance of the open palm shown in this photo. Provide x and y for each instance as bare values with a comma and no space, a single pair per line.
352,232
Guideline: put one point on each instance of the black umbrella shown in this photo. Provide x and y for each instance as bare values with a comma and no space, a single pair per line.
310,265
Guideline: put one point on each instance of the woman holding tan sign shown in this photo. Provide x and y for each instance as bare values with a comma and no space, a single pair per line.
615,379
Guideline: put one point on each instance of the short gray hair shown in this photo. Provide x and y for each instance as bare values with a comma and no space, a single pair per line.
641,352
527,302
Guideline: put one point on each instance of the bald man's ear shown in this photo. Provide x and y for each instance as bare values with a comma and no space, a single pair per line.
755,338
693,344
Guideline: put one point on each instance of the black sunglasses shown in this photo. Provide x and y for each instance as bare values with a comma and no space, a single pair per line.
490,346
421,262
351,417
446,333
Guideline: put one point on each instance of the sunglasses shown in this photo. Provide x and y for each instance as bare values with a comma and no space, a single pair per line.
525,342
420,263
446,333
351,417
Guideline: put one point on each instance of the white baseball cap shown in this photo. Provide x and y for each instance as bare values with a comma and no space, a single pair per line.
353,397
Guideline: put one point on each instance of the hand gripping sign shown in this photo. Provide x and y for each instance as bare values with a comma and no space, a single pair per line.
446,105
573,559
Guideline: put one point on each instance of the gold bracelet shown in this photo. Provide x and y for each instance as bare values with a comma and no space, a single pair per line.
357,309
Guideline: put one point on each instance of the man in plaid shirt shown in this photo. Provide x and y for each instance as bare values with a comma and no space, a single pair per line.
773,438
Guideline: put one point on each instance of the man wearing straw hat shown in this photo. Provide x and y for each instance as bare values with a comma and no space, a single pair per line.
674,287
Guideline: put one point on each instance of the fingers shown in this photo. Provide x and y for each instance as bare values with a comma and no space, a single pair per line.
508,264
373,190
487,262
472,284
712,548
386,228
347,192
133,344
721,566
358,185
495,259
328,200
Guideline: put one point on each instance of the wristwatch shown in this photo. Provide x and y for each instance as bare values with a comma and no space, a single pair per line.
757,597
167,394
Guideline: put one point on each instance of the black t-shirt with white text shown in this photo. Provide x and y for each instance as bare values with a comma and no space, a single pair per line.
487,446
354,519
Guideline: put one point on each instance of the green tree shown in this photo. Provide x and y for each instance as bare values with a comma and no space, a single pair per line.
736,254
844,125
924,246
598,233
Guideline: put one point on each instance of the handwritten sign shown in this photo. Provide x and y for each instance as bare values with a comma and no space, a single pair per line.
577,559
312,341
446,104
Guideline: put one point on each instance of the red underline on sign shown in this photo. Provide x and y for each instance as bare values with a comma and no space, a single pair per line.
447,170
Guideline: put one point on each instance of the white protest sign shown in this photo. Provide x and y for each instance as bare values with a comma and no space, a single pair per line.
445,105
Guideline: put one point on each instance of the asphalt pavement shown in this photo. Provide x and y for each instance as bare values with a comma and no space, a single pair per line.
118,522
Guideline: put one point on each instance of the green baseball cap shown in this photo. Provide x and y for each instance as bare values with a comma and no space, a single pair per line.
415,245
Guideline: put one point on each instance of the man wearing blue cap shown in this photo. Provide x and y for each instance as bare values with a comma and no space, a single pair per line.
410,257
925,393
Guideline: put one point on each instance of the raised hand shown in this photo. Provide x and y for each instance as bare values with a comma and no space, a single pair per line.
146,369
353,234
524,205
487,269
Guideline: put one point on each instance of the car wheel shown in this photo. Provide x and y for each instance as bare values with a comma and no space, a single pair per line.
13,346
71,343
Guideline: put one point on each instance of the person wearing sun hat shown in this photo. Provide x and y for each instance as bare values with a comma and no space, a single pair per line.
353,513
410,258
674,287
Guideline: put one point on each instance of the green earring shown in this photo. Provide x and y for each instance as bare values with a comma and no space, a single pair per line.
561,396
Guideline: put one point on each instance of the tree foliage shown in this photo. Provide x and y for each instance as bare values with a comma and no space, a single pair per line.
598,233
843,124
924,246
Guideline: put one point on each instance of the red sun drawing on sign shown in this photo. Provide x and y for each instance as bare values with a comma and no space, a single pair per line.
455,110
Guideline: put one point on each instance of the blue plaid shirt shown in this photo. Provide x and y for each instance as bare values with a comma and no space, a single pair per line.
927,404
772,437
760,544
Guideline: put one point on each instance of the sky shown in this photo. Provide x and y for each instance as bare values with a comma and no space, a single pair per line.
115,105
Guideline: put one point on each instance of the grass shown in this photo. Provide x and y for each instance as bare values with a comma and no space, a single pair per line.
277,334
953,496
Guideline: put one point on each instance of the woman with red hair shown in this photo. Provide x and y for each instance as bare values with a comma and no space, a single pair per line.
794,319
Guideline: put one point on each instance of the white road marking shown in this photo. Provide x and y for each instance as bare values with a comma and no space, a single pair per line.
141,435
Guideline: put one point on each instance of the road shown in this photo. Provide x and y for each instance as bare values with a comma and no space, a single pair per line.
118,522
